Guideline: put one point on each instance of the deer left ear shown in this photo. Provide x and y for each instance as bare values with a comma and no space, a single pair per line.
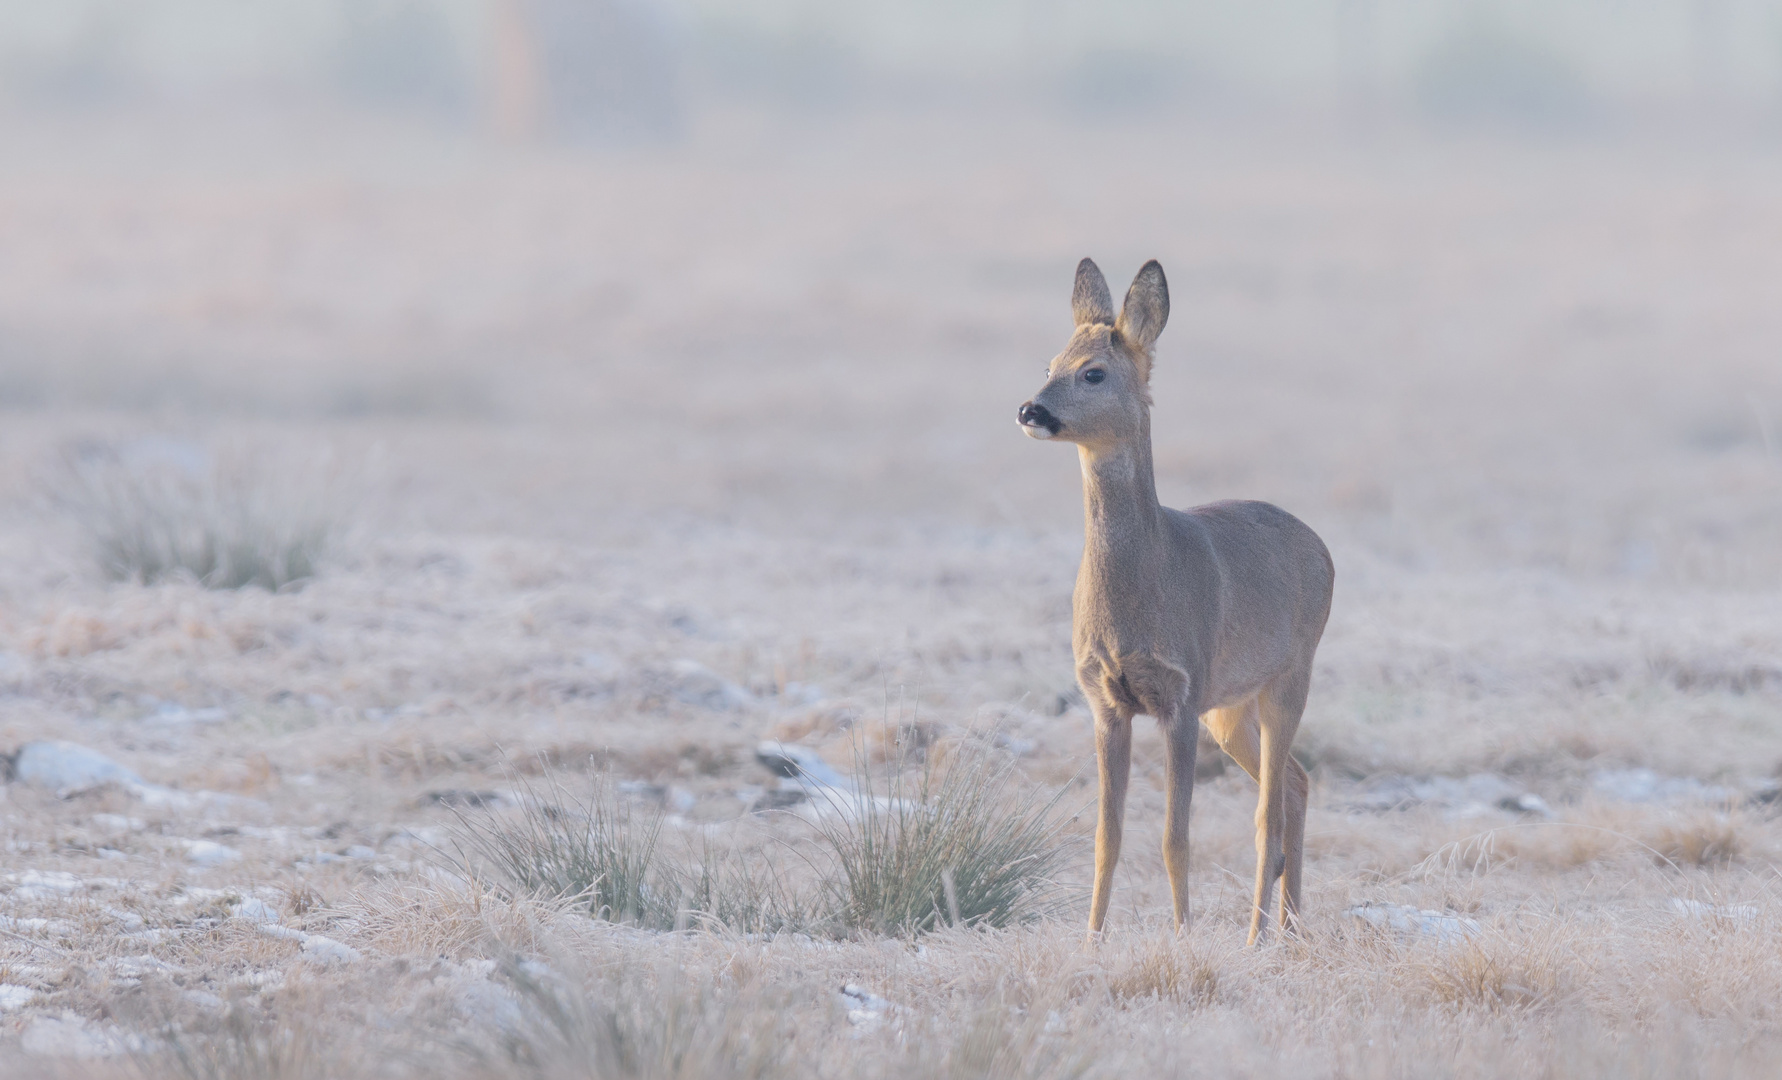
1146,311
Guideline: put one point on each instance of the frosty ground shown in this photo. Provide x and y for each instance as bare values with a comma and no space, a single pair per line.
642,458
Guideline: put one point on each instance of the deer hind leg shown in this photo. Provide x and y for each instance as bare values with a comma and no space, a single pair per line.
1182,738
1281,810
1238,728
1113,756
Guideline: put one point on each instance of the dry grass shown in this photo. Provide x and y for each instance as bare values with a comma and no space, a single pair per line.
1498,970
751,410
1166,970
961,845
595,850
639,1021
152,514
965,845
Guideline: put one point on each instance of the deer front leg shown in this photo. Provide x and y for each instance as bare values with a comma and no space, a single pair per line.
1182,734
1298,786
1113,755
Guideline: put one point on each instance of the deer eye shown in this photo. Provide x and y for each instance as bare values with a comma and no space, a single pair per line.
1094,375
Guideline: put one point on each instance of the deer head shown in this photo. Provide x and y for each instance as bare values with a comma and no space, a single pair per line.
1097,390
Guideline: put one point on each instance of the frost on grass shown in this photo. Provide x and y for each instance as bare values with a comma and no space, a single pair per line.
963,845
159,510
635,1019
596,850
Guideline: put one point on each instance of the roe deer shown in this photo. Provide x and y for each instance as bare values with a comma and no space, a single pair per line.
1212,612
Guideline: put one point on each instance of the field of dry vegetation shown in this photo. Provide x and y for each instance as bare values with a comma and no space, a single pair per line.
559,482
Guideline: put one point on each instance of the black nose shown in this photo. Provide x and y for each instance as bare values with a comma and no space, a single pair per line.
1031,415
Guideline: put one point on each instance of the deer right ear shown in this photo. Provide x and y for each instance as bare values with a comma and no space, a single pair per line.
1090,300
1146,309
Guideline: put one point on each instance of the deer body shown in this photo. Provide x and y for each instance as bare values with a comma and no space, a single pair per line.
1210,614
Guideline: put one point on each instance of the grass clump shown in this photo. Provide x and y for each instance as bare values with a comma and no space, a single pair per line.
605,855
594,850
638,1022
1709,839
163,511
1165,971
962,846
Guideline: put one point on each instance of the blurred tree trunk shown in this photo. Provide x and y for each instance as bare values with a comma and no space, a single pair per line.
585,70
516,91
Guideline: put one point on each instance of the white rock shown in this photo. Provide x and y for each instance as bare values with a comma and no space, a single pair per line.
15,670
173,714
1407,921
70,1036
491,1003
129,920
136,966
69,768
48,927
326,950
694,683
43,884
254,910
1478,795
602,665
800,764
210,853
797,693
865,1009
1696,909
1017,747
118,823
13,997
1646,786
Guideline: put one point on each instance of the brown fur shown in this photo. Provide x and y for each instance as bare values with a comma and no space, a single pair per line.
1212,612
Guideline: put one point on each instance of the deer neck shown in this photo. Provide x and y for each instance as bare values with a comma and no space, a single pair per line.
1121,517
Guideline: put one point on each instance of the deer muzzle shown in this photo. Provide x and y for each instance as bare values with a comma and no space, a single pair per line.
1038,421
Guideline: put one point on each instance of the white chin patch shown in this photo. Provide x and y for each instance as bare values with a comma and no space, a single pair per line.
1037,431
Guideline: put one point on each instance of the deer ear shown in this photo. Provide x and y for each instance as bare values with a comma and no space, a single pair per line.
1146,309
1090,300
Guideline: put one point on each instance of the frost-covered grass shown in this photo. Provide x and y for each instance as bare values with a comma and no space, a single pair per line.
225,522
1525,405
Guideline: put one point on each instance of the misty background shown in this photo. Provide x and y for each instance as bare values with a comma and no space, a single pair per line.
637,66
1485,284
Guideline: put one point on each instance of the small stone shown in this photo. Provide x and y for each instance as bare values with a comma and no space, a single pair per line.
254,910
865,1009
328,951
695,684
801,764
1647,786
1696,909
118,823
69,768
70,1036
210,853
1407,921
